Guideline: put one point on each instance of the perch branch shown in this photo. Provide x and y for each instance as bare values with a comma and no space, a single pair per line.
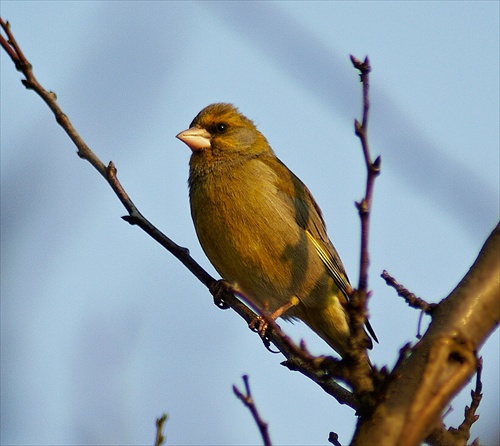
297,359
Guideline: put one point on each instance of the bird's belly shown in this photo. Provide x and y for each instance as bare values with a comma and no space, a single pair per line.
268,258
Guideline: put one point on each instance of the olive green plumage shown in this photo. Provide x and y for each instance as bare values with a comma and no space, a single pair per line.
260,226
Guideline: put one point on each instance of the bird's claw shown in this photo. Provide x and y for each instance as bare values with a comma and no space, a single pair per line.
217,289
258,325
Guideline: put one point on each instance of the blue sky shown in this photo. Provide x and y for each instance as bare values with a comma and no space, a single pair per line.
102,330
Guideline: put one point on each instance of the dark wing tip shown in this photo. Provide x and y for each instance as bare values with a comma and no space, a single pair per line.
371,331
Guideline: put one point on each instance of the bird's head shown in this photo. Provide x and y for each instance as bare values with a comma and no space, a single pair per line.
221,131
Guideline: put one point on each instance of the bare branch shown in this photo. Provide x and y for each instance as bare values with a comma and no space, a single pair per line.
249,402
459,437
373,169
333,438
11,47
31,83
410,298
470,416
443,361
357,306
297,359
160,422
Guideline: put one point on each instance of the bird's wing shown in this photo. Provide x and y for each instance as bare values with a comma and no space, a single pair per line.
308,216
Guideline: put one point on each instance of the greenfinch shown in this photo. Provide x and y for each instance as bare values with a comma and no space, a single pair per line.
260,226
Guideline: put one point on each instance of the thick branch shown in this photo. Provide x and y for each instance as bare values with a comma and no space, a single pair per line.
443,361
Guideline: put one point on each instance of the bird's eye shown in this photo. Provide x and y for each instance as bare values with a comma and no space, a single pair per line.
220,128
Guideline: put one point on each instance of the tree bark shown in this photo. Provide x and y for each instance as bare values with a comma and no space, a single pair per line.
443,361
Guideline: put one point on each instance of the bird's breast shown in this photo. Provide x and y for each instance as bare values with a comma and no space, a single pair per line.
248,232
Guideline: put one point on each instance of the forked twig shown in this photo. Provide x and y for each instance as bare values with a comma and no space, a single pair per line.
160,422
247,399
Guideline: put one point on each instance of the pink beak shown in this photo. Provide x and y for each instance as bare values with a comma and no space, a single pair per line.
195,138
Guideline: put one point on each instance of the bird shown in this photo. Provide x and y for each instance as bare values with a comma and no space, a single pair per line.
261,228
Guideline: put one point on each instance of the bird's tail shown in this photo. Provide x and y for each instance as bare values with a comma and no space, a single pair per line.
330,323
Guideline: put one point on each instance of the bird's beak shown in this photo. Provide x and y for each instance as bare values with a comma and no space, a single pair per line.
195,138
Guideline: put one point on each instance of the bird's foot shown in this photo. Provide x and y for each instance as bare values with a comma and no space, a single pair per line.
217,290
258,325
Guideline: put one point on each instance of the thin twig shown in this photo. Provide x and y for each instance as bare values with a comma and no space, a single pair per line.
470,416
297,359
333,438
373,169
11,47
358,303
160,422
249,402
410,298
